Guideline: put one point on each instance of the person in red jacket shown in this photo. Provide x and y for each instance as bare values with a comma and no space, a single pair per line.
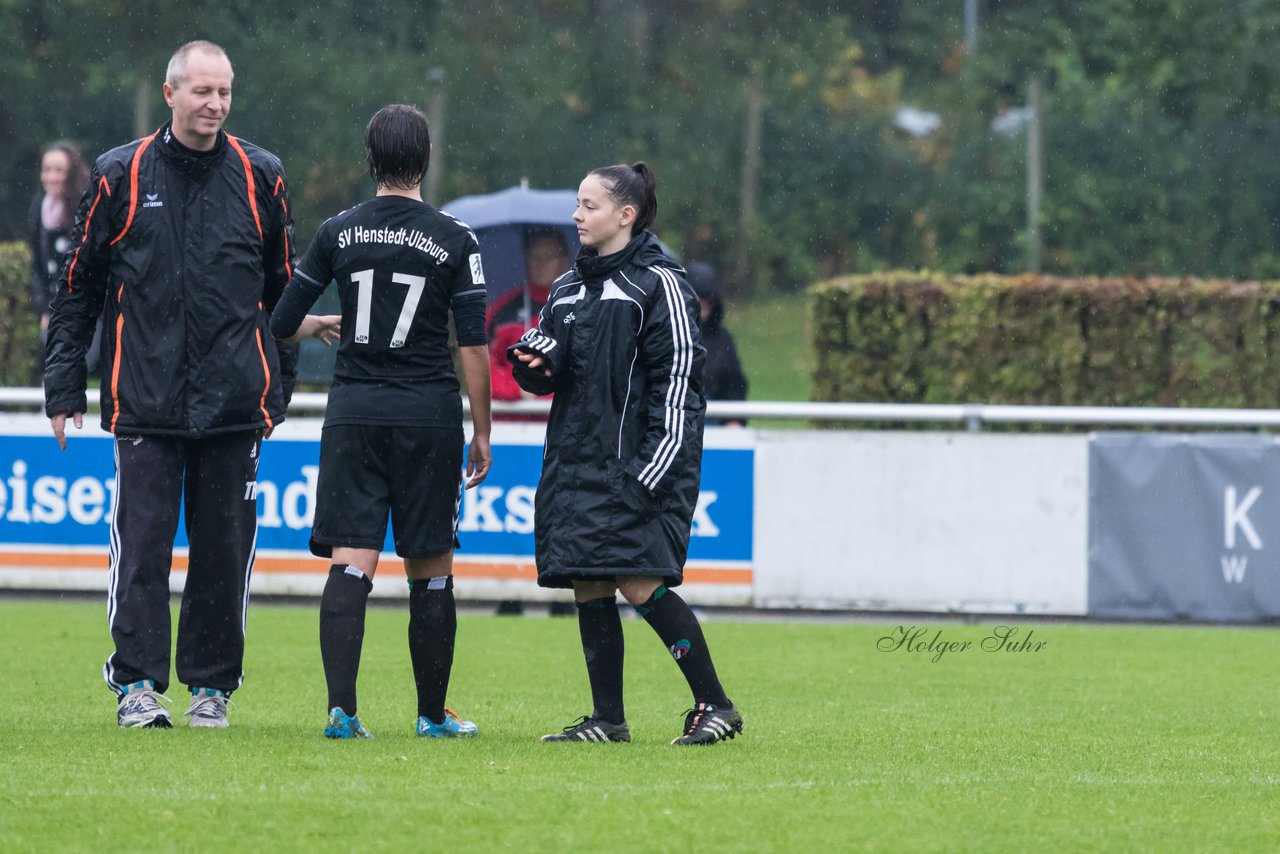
510,315
183,243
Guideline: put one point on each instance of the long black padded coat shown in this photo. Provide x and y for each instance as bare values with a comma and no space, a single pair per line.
623,456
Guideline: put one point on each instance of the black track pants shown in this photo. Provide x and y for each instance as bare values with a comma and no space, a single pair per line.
217,478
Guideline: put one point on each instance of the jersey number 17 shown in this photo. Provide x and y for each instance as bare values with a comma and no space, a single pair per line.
363,280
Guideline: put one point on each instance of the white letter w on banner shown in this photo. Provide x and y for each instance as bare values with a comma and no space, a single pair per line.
1236,515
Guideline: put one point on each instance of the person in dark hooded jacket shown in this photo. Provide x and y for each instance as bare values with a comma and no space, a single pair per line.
618,344
722,377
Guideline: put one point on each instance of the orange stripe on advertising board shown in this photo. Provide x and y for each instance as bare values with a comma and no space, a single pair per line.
493,570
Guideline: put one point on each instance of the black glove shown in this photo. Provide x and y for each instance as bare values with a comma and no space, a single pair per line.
532,380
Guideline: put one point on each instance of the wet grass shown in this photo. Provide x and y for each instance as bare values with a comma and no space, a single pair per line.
1104,738
774,346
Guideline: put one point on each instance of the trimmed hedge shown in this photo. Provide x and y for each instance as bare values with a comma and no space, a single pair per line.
931,338
19,327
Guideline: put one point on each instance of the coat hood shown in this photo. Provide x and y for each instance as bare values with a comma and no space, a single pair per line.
702,278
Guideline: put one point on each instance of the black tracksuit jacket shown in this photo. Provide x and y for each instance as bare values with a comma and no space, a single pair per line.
623,458
188,254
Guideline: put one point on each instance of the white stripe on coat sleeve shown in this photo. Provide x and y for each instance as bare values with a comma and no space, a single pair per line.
677,384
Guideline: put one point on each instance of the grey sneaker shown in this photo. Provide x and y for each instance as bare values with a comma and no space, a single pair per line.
591,729
143,707
209,708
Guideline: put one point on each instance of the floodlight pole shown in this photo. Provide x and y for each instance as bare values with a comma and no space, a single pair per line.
142,106
751,132
435,119
971,27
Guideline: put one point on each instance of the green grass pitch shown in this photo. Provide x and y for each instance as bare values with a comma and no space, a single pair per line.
1106,738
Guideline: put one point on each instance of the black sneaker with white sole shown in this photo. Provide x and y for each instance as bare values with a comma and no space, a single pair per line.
587,728
707,724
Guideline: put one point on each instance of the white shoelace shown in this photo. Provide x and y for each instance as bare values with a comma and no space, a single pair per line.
145,701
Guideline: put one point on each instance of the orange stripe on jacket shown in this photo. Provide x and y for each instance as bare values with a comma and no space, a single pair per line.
115,363
252,191
133,185
88,221
288,268
248,177
266,373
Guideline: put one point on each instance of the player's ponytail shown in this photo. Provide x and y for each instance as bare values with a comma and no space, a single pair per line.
633,185
648,210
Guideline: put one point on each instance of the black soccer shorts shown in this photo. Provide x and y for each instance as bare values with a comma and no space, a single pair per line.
366,471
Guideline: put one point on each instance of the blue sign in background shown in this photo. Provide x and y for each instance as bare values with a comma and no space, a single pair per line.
53,497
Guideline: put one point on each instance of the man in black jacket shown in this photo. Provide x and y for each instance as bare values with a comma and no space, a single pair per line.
182,243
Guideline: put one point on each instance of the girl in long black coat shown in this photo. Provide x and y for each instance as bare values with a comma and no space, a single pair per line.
618,343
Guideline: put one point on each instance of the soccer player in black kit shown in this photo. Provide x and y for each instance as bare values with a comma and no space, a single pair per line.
392,439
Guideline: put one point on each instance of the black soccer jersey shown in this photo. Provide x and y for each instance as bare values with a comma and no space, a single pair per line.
400,266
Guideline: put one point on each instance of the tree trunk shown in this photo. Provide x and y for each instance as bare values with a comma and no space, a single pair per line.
1035,175
142,105
750,177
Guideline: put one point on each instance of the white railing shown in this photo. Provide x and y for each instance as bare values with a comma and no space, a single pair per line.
972,415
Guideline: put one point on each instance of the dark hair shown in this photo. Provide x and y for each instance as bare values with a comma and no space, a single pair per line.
397,146
77,178
632,185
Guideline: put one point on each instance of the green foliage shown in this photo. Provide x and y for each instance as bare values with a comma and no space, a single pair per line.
19,329
846,745
930,338
1160,122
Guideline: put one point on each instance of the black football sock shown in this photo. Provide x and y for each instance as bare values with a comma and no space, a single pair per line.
433,625
674,621
600,626
342,609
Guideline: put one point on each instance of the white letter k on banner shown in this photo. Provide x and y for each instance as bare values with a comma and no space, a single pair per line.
1237,516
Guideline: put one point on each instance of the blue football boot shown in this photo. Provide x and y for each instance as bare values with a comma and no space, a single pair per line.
451,728
342,725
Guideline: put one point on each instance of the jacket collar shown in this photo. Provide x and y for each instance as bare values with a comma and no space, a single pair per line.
593,266
192,163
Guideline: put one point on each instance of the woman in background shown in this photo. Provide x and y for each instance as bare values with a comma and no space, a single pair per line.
63,178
